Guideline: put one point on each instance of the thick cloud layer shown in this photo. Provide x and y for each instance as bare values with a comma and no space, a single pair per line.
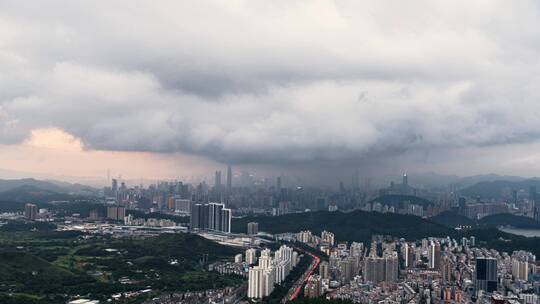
272,81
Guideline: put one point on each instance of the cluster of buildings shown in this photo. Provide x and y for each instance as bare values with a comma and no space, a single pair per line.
129,220
432,270
271,269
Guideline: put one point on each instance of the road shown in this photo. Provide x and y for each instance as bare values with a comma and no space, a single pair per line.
297,287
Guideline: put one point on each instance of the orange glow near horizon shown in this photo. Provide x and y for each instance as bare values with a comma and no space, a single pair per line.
53,153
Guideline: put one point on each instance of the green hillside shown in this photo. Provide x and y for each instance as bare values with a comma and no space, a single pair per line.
353,226
452,219
48,266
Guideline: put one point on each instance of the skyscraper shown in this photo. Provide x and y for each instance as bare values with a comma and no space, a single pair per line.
30,211
217,181
486,274
405,181
229,179
114,185
434,255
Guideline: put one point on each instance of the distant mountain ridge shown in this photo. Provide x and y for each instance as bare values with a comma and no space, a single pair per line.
432,179
496,189
38,191
54,186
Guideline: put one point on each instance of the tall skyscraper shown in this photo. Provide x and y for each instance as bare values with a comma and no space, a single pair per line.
114,185
486,274
229,179
532,193
434,255
217,181
30,212
405,180
408,255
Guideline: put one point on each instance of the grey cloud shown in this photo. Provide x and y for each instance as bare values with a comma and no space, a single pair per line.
272,83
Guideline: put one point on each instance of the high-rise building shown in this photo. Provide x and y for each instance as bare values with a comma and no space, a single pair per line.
391,272
447,267
199,216
324,270
265,261
374,268
226,218
255,282
114,185
405,180
217,181
252,228
116,213
486,274
532,194
238,258
182,206
520,268
313,288
327,237
229,179
251,256
30,212
346,269
408,255
212,216
434,256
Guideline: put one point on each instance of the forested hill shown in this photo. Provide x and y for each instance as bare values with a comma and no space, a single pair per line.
351,226
452,219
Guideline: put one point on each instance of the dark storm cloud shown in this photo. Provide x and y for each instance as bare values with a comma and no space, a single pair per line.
272,82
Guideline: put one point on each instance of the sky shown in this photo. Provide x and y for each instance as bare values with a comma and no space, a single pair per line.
176,89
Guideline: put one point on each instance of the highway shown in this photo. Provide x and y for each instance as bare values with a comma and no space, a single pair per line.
297,287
